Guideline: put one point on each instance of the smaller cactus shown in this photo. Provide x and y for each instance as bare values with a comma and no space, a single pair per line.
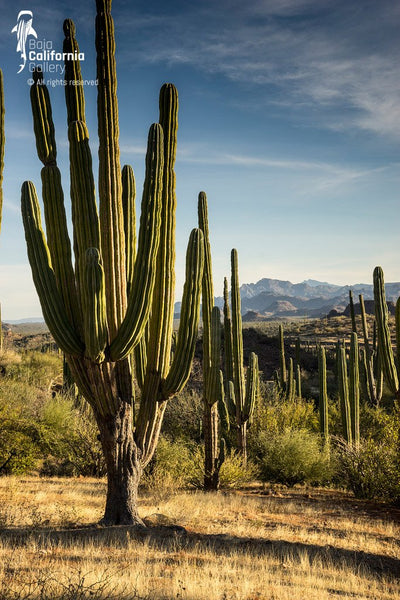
383,333
282,361
344,396
323,395
354,389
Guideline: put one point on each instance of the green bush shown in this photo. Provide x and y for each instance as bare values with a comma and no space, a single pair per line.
293,456
372,470
69,440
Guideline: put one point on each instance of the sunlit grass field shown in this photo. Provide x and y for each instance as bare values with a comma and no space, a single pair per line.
235,545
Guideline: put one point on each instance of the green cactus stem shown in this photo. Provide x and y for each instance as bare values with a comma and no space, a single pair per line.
242,394
354,389
344,396
383,333
352,312
212,392
282,360
323,396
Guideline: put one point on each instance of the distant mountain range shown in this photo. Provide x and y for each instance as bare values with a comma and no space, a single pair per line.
272,298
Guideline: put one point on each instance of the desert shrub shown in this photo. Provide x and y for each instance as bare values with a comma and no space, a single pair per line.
372,470
172,467
234,472
19,429
184,416
293,456
179,464
275,415
34,368
69,440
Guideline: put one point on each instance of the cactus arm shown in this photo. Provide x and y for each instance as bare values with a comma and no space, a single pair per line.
207,295
323,395
160,340
223,411
128,205
298,381
140,353
368,359
384,339
237,338
95,318
189,320
231,400
110,189
212,384
74,96
282,361
83,201
251,388
352,312
141,292
2,141
344,396
53,199
227,335
43,275
354,389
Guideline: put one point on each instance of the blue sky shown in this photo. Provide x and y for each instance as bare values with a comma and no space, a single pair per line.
289,120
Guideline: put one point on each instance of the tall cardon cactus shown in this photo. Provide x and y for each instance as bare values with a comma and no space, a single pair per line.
390,372
213,383
242,393
98,310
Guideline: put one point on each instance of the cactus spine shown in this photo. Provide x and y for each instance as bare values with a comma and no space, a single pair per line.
384,338
99,311
242,394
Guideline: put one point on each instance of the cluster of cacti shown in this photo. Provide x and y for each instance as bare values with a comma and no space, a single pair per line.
385,348
242,393
99,311
213,382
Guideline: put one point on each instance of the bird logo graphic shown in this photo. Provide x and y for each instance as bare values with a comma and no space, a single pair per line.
23,28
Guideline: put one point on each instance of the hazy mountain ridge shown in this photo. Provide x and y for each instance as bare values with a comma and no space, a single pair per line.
270,297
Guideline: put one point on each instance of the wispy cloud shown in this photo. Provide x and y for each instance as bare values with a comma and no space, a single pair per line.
339,58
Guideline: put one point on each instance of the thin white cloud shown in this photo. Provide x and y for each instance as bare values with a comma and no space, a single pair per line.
331,57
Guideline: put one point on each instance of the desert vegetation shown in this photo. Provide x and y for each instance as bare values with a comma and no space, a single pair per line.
139,461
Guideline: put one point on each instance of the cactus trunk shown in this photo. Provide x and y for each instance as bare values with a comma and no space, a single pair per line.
123,468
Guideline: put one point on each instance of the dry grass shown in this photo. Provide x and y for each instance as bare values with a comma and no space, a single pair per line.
250,545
